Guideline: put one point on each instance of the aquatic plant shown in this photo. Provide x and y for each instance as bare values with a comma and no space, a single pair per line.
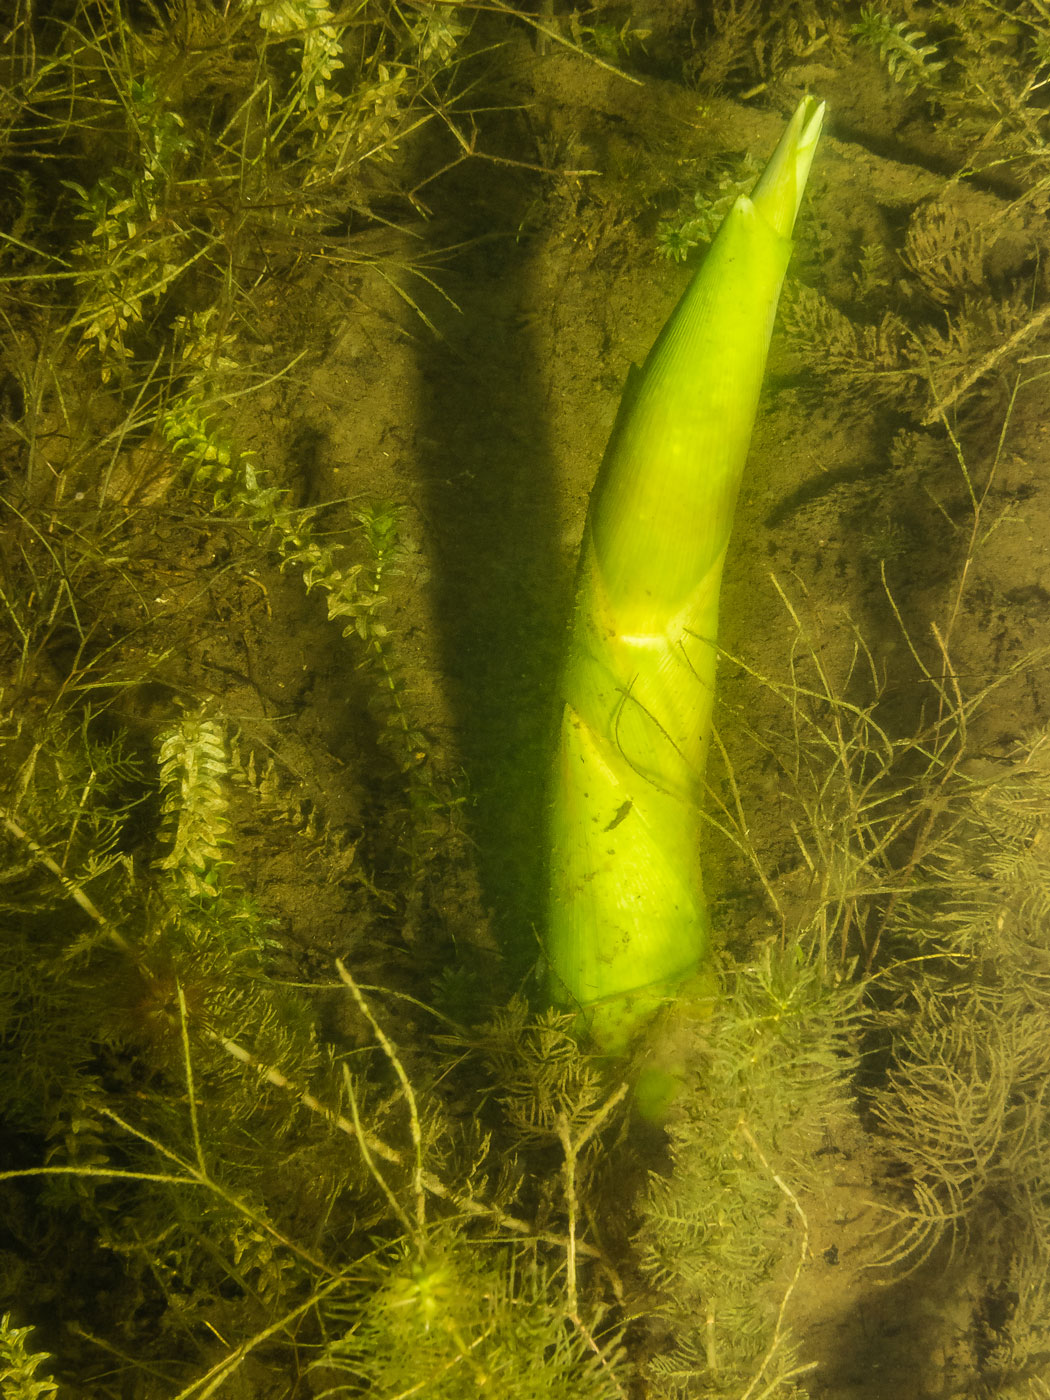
627,920
908,60
273,1120
19,1365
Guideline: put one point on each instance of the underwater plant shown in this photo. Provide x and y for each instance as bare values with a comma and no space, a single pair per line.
224,738
627,919
19,1365
908,60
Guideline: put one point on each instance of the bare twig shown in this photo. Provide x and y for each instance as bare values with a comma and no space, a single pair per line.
803,1255
410,1098
572,1153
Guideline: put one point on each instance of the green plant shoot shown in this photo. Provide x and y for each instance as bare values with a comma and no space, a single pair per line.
627,924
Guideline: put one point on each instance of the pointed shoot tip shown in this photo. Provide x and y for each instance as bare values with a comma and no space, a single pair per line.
778,194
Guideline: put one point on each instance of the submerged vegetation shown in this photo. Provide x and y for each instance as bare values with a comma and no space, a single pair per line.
279,1115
